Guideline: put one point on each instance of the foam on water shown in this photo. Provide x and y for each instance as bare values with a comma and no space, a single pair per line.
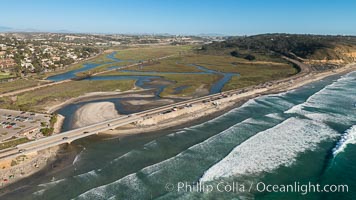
88,175
222,117
274,102
94,175
298,108
156,170
333,103
51,184
126,155
349,137
77,157
270,149
102,192
330,117
39,192
267,101
46,186
151,144
277,116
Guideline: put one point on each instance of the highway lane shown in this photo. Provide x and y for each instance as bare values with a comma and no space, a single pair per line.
67,137
85,131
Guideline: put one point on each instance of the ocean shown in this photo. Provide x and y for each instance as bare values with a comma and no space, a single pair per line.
301,137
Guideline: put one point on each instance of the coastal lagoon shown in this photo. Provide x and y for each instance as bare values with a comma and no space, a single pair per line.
304,135
143,78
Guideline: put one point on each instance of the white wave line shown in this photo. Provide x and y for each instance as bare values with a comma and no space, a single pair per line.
298,108
349,137
269,149
156,165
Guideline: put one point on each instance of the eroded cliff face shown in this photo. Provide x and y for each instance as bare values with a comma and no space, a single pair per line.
351,55
347,52
335,57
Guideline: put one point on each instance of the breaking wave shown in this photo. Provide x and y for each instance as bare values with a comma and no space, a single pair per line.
272,148
349,137
200,155
333,103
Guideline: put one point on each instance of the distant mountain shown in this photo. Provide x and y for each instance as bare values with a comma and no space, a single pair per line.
211,35
29,30
10,29
5,29
62,31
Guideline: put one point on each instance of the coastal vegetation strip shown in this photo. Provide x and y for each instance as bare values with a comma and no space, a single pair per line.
13,143
19,84
172,64
146,53
41,98
6,75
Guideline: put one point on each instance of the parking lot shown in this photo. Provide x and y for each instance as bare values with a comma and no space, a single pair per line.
18,124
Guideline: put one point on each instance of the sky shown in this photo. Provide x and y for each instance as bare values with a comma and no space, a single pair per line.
228,17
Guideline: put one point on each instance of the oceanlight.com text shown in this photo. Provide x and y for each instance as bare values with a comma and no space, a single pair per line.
261,187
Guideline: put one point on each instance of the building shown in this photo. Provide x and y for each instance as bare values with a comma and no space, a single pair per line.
7,63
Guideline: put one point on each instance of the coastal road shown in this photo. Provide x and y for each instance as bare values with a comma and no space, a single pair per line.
304,68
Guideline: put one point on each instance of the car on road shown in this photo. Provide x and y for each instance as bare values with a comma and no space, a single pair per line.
86,132
167,111
65,138
21,150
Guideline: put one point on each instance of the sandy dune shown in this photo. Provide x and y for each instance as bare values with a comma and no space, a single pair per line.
93,113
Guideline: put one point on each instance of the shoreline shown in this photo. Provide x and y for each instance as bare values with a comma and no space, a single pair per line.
206,110
28,165
205,113
57,127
